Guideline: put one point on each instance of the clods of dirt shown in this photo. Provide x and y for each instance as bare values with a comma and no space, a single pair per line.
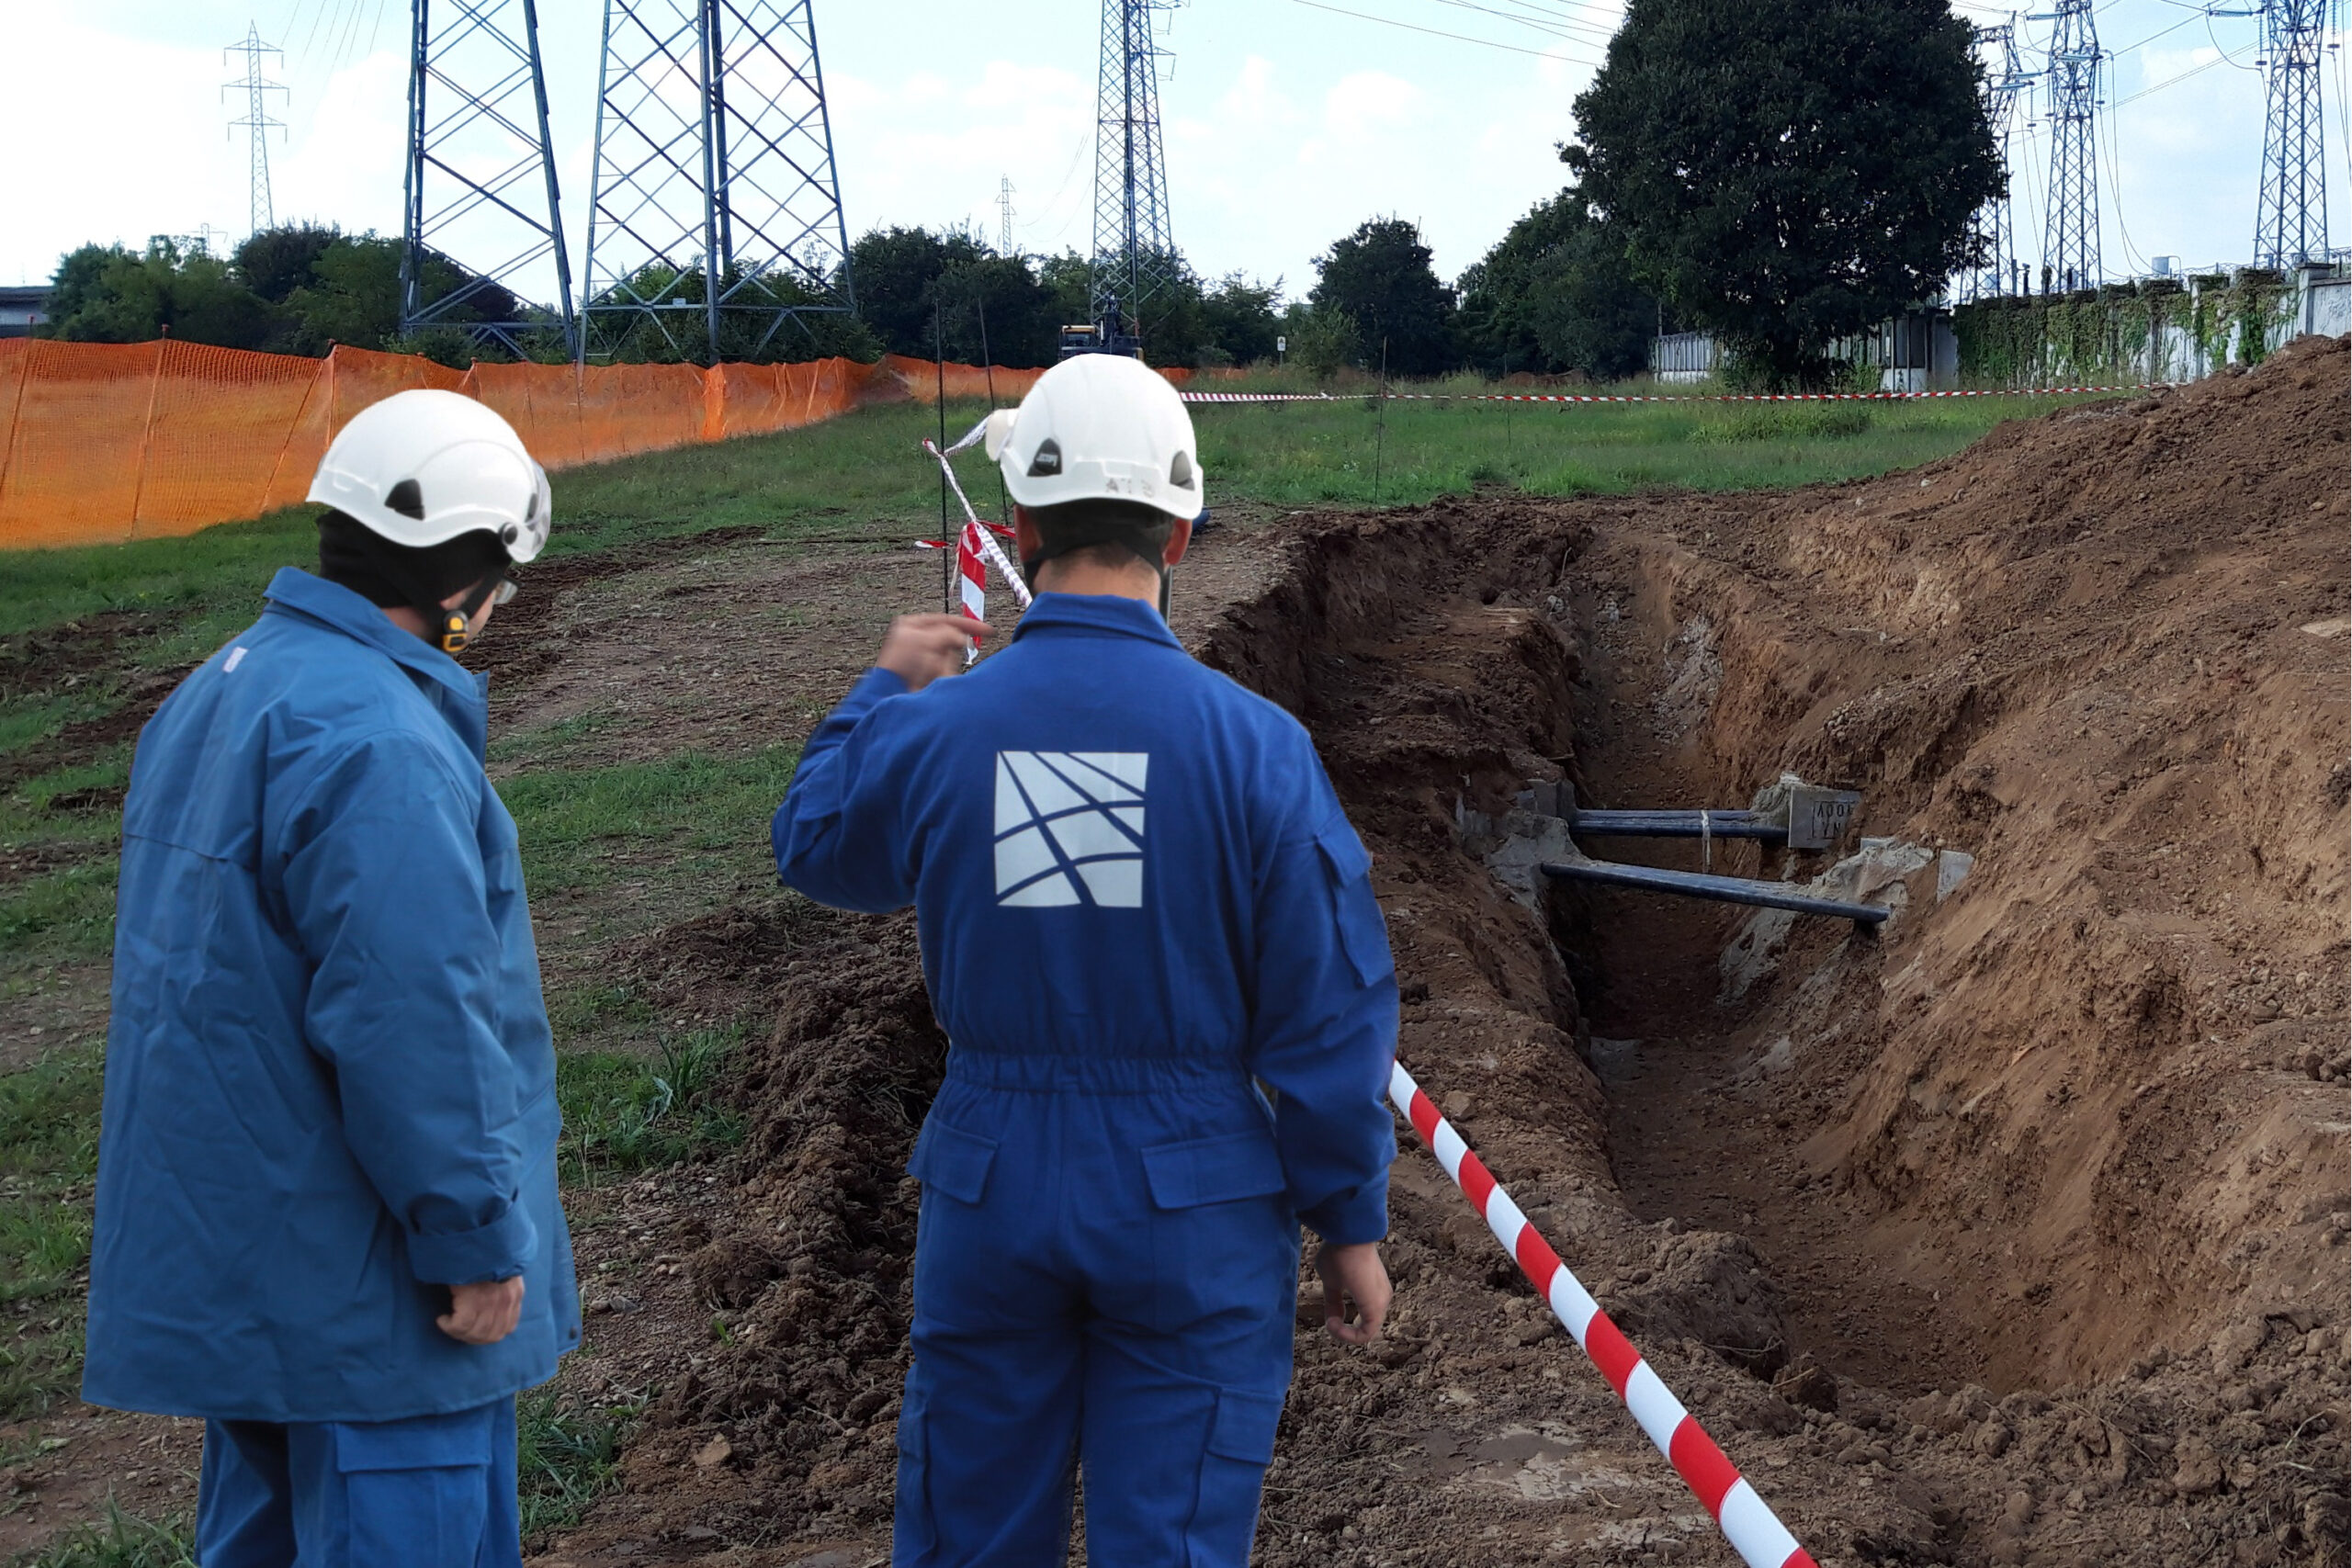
2013,1235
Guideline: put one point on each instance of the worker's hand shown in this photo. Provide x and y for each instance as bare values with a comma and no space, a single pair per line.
1354,1276
484,1314
920,648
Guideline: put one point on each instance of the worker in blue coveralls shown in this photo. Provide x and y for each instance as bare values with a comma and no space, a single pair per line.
1150,936
327,1221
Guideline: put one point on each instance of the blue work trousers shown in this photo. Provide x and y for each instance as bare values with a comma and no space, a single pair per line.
429,1492
1106,1276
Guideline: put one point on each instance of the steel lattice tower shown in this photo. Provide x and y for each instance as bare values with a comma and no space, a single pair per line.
480,179
2290,218
256,121
2070,231
1995,221
714,160
1134,248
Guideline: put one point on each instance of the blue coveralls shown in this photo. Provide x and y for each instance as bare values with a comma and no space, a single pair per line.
330,1095
1137,892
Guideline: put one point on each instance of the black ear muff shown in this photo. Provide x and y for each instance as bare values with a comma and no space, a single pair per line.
407,498
454,636
1047,463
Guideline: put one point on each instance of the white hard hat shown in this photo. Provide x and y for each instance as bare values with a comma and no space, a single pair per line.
422,467
1100,427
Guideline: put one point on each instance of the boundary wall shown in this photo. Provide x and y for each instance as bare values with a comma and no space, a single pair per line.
104,443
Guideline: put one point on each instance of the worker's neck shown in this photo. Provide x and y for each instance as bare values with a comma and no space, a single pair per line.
1132,581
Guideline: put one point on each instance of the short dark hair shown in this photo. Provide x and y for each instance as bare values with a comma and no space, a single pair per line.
1109,532
384,573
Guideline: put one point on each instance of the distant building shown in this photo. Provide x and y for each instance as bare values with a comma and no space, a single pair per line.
22,310
1683,357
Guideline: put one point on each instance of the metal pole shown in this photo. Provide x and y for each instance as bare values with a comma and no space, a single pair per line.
1722,889
412,184
1380,442
947,531
555,204
705,24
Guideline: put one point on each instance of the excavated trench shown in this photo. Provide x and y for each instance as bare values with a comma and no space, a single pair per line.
2013,1234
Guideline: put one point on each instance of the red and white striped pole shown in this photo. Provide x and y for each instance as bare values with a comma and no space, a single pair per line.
1760,1538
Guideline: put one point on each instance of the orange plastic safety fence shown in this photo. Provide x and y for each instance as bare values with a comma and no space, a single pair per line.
102,443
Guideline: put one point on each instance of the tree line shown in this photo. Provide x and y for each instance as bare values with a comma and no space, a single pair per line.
1551,296
1784,173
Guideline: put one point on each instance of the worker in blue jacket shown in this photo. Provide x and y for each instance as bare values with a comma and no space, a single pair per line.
1150,935
327,1221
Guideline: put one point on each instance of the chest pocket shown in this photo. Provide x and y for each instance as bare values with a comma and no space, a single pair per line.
1363,931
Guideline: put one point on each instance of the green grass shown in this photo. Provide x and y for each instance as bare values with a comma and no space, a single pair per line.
570,1456
118,1541
49,1153
692,814
625,1110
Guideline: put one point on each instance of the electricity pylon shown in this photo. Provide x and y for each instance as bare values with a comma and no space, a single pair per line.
1134,248
256,89
481,180
2070,233
716,216
2291,215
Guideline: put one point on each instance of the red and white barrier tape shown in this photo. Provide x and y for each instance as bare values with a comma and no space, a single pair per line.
1661,397
983,535
1754,1531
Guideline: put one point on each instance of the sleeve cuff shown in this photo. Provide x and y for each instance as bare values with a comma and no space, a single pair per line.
499,1250
1350,1219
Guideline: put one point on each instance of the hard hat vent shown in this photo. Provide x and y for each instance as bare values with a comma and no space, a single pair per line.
1048,460
407,498
1180,471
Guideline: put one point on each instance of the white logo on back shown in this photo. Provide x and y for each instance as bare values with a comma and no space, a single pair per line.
1070,828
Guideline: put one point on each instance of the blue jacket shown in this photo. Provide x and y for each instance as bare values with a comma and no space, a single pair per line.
1114,850
330,1086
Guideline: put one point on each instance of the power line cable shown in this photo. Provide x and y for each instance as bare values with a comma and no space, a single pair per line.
2115,183
2175,81
1555,29
2151,38
1433,33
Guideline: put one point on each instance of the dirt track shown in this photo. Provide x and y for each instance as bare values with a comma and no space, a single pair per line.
2014,1235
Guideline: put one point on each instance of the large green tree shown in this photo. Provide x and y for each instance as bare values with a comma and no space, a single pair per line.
1380,278
1556,294
1788,172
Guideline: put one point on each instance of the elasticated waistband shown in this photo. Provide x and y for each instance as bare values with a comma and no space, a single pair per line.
1091,1075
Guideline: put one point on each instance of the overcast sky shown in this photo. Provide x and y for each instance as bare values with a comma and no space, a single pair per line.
1287,123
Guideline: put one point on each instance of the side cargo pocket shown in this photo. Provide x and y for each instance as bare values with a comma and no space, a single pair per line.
416,1493
1233,1473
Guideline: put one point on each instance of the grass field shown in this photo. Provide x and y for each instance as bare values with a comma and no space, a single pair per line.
650,1099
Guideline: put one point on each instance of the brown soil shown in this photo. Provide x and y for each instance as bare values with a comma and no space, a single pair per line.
2011,1236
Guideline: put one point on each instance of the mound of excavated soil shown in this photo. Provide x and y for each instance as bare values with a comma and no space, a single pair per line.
2012,1236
